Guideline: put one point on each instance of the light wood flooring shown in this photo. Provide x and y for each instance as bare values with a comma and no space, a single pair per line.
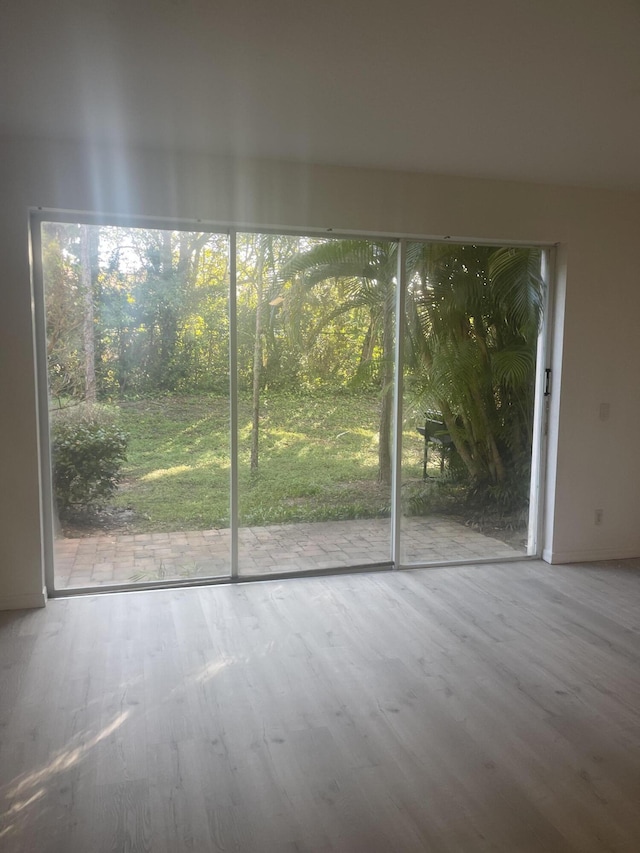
489,708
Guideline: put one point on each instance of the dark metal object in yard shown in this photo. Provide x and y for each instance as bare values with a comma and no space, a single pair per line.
434,432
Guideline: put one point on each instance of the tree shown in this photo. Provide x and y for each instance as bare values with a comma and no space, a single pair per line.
88,324
164,317
64,313
368,270
260,282
473,319
471,324
263,246
164,294
134,310
70,266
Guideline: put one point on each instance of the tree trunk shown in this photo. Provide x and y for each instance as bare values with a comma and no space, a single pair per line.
367,346
88,329
257,362
167,317
458,441
384,446
494,460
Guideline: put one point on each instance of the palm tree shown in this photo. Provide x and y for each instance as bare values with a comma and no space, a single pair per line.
473,316
367,270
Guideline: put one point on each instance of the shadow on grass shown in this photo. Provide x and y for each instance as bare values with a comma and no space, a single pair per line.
317,462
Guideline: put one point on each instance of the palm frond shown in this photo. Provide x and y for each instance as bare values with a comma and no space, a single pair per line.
513,367
517,285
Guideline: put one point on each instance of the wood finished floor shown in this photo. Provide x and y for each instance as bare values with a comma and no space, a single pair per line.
491,708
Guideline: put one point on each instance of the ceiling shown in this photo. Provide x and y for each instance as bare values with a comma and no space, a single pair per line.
537,90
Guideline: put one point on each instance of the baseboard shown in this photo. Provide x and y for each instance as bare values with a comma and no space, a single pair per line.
588,556
24,601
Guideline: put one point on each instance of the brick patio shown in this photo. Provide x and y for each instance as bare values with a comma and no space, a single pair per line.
126,558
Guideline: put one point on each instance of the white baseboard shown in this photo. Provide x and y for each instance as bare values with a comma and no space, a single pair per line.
24,601
588,556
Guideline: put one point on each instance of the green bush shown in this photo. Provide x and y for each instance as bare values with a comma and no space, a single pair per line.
88,449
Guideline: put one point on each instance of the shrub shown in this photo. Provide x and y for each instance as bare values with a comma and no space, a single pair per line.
432,496
88,449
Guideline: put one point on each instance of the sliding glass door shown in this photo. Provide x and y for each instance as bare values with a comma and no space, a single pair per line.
224,405
316,332
137,337
474,315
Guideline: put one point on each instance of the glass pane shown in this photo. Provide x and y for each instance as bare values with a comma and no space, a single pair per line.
137,354
315,363
473,318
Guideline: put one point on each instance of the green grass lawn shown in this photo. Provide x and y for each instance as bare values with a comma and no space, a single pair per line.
318,461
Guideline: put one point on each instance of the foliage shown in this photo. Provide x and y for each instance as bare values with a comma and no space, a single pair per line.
88,449
367,271
313,315
473,321
162,315
432,496
60,259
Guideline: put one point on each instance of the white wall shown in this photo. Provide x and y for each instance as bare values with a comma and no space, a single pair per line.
593,464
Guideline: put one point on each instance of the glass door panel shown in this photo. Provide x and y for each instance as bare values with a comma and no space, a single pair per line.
137,328
474,315
315,377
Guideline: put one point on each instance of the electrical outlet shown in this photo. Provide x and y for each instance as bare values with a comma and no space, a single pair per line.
598,517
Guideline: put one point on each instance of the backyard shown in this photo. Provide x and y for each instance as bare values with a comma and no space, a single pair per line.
315,503
318,461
